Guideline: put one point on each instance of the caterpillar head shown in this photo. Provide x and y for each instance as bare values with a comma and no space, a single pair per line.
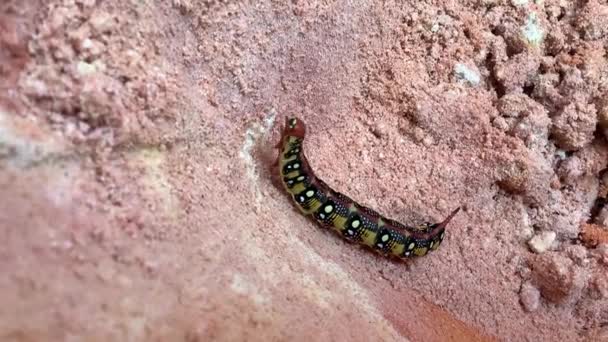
294,127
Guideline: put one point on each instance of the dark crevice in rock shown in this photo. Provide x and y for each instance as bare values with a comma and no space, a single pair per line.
529,89
492,79
600,201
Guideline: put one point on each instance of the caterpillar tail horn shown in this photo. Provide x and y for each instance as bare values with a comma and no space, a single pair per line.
447,220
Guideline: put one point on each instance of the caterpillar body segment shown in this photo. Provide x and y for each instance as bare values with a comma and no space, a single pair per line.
334,210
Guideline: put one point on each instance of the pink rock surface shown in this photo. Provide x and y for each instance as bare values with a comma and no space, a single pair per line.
139,201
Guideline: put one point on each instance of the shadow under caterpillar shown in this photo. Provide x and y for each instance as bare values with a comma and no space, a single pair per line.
337,211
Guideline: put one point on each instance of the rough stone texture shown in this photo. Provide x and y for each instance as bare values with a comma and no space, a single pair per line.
588,162
573,127
602,114
557,278
602,217
525,119
578,254
593,20
529,297
597,334
140,202
599,286
593,235
518,71
602,252
13,56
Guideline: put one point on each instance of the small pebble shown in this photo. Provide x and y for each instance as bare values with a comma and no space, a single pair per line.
542,241
529,297
466,74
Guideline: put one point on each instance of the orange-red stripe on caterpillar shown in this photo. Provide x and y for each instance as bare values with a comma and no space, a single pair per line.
334,210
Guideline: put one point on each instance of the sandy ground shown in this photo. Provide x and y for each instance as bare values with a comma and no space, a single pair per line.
139,202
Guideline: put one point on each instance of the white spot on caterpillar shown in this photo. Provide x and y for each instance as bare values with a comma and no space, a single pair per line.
385,237
310,193
328,209
356,224
411,246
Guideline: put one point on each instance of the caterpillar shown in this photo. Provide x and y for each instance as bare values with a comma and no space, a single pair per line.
334,210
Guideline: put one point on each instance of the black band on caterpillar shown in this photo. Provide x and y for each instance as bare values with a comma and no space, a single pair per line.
334,210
